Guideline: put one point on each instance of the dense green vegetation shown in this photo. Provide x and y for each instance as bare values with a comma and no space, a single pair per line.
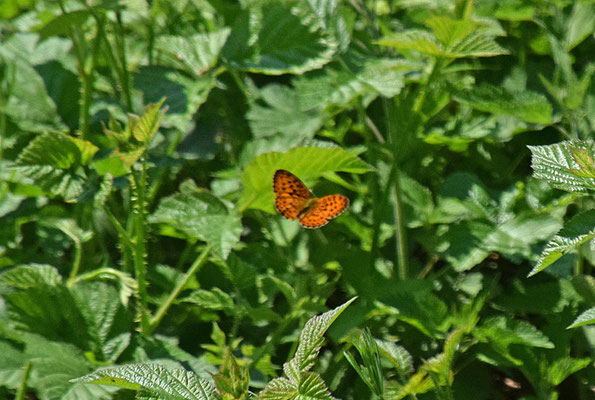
141,255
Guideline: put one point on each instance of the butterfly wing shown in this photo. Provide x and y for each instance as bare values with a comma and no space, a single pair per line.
325,209
290,194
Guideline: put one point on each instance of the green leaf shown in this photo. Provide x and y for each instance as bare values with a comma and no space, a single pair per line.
54,365
580,229
305,385
51,149
526,105
214,299
155,380
504,331
40,303
11,364
580,24
145,126
272,40
326,16
450,39
30,276
586,318
107,322
312,336
69,227
87,149
358,76
283,115
199,214
397,355
113,166
566,165
507,10
29,105
184,94
450,31
370,369
305,162
51,160
416,40
562,368
62,24
196,53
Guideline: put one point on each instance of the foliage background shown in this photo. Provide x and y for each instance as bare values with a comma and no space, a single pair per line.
138,143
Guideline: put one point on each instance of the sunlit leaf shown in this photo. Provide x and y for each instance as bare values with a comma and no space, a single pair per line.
525,105
566,165
155,379
580,229
586,318
305,162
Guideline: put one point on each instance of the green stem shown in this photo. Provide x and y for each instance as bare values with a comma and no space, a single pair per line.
23,387
87,69
421,98
578,266
125,76
199,262
139,246
76,262
401,234
401,266
124,241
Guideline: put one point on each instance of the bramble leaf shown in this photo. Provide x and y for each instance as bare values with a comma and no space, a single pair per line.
567,165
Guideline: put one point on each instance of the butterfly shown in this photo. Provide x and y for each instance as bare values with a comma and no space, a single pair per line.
294,201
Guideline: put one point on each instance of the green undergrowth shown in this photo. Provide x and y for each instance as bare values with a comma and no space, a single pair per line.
141,255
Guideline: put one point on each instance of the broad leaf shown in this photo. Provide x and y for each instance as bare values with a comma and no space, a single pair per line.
564,367
197,53
580,229
305,162
29,107
312,336
525,105
51,160
284,114
503,332
450,39
199,214
566,165
62,24
586,318
54,365
397,355
214,299
154,380
272,40
144,127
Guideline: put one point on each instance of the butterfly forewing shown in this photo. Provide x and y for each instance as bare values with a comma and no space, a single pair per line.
294,201
291,194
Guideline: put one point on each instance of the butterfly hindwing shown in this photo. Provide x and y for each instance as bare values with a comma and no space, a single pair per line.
326,208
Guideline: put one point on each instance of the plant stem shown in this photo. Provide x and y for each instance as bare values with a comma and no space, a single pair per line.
76,262
400,232
139,245
124,240
402,265
23,387
125,76
199,262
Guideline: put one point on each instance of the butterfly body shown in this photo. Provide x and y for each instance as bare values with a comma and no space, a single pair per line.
294,201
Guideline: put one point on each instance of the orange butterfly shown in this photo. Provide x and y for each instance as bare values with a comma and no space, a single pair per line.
294,201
